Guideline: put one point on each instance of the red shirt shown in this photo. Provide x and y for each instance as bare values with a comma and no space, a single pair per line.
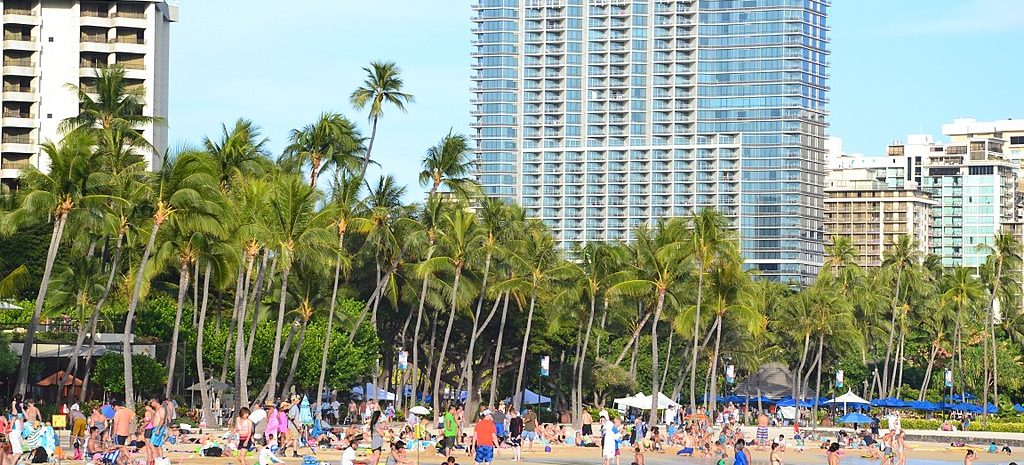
485,430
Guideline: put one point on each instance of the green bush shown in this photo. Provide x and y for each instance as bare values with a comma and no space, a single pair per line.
976,425
148,374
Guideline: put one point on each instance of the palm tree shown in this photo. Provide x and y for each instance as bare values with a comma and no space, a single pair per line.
460,240
540,262
75,185
383,84
705,240
11,284
347,210
298,232
935,327
449,164
331,139
1002,270
963,290
727,285
899,259
117,108
840,253
185,193
833,319
661,269
240,152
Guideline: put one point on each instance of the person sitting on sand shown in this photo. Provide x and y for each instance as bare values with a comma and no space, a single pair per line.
992,448
775,456
833,454
638,456
1006,449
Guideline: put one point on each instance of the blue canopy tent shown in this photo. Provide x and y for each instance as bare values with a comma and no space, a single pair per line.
924,406
707,398
371,392
964,407
958,398
1018,408
890,402
530,398
855,417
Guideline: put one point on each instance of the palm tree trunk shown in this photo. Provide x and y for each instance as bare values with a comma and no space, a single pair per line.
655,377
241,365
668,357
604,320
892,329
468,372
416,340
798,383
817,387
330,326
126,346
183,281
444,344
696,331
583,355
96,312
995,360
295,358
369,150
497,351
959,348
229,336
257,301
633,339
517,402
270,387
713,401
44,284
369,301
902,360
928,372
204,390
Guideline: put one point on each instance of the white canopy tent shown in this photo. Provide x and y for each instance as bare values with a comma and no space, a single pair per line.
643,402
848,398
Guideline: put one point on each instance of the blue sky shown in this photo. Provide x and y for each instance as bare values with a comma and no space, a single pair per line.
898,67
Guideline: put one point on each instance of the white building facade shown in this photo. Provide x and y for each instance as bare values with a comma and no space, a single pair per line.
49,44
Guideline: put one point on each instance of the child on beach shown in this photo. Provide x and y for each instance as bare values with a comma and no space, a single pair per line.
638,456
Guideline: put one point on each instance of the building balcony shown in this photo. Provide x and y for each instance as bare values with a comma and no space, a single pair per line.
20,43
18,94
16,16
19,120
18,145
19,68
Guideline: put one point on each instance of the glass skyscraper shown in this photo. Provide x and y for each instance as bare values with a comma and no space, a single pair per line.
599,116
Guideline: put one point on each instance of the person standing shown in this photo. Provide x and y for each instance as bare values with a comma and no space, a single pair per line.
377,430
530,427
124,423
833,454
586,425
499,423
515,434
78,424
243,429
742,454
32,412
609,438
485,438
450,431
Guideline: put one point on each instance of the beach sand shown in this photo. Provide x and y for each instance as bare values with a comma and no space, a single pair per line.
918,454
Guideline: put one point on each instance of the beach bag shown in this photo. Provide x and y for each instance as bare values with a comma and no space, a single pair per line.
213,452
310,460
39,455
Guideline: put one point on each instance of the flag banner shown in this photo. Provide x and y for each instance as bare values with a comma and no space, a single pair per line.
948,377
403,360
730,374
840,377
545,365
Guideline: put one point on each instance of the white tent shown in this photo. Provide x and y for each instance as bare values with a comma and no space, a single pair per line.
632,401
643,402
848,398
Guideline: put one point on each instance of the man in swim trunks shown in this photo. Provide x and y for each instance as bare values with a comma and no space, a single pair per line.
762,431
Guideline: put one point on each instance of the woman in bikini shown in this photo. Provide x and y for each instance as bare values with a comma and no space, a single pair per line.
242,427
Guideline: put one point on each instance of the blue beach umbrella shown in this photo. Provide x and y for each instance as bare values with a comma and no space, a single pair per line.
855,417
1018,408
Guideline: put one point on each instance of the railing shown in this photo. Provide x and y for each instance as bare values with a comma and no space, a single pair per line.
16,114
86,13
8,164
131,65
18,62
93,39
131,40
130,14
19,11
20,37
16,139
17,89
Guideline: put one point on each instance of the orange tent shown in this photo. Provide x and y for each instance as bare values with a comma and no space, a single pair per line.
72,385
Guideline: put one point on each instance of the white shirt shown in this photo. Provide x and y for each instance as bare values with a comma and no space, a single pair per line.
257,416
348,456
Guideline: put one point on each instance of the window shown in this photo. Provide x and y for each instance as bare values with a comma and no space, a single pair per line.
1016,140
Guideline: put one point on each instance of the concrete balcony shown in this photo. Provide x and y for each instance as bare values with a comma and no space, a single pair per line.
20,68
18,121
98,47
21,44
91,19
21,17
19,95
129,46
18,146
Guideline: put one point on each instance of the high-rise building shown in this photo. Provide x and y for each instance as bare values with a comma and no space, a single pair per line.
599,116
49,44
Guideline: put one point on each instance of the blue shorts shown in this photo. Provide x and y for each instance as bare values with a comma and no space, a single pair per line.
484,454
500,430
529,435
159,436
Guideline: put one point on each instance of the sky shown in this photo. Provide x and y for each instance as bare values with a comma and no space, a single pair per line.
897,67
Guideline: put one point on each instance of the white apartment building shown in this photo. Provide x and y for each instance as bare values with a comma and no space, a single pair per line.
48,44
